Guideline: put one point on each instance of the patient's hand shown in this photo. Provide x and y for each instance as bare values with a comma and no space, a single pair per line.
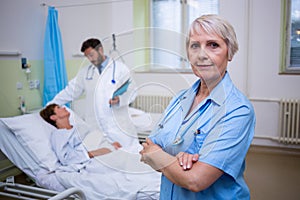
98,152
187,160
117,145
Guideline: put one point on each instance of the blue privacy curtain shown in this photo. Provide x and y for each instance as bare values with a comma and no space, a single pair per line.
55,76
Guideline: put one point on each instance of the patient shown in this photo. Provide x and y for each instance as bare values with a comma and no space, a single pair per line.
113,175
65,141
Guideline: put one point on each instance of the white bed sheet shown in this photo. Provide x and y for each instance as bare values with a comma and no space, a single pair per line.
118,175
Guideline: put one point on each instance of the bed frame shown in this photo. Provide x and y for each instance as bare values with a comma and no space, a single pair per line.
7,168
20,191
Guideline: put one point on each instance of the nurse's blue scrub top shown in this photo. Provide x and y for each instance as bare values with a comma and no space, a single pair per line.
220,129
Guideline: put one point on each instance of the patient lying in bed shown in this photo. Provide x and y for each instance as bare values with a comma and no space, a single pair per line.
114,175
66,143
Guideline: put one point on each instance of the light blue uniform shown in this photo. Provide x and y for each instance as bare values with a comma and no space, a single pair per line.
220,129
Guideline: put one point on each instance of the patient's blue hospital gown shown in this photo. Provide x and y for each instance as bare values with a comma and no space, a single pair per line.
73,155
69,148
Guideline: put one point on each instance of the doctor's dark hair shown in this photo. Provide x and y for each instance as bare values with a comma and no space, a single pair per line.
47,112
92,42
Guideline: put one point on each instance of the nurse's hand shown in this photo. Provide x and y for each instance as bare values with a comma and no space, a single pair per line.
114,101
149,147
153,155
187,160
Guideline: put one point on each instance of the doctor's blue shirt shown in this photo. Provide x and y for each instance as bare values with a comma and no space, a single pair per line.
220,130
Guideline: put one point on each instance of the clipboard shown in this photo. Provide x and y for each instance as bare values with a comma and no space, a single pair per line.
123,88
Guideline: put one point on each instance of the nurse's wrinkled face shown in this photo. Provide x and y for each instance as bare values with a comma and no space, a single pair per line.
208,55
94,56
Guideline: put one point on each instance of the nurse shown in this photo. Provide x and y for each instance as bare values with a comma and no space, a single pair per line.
200,144
97,82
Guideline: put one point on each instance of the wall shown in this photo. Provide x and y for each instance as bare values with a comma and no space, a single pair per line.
264,81
11,74
19,34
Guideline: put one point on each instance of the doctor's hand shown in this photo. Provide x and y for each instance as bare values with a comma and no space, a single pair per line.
153,155
114,101
187,160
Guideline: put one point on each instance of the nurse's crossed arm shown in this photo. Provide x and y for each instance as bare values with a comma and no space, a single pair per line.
187,160
159,160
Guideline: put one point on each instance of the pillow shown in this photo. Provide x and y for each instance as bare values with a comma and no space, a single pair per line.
34,134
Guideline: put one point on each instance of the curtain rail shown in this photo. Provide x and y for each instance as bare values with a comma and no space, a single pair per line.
84,4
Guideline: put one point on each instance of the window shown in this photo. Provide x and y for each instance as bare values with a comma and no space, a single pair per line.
170,20
291,37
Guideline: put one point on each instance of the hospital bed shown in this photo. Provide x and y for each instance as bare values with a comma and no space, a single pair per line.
25,141
12,148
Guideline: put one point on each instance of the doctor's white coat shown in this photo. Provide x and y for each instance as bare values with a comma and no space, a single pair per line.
113,121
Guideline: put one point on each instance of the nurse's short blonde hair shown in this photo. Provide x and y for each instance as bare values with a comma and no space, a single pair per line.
213,24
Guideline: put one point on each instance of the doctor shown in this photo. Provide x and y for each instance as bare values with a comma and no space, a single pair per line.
97,82
201,143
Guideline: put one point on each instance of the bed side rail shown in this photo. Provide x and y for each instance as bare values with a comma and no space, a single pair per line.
69,192
20,191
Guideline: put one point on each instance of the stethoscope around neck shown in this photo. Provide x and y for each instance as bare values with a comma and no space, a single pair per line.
172,109
91,70
180,138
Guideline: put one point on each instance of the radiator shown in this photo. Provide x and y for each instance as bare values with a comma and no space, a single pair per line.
151,103
289,121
